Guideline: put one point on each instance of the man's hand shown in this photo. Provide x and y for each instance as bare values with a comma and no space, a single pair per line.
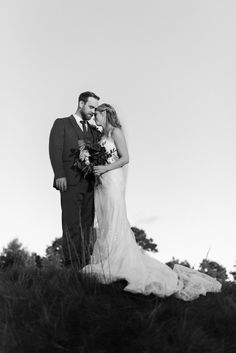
81,144
61,184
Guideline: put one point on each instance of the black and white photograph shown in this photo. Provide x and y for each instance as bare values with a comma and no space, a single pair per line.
118,192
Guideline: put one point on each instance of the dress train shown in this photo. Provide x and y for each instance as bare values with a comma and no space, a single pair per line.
116,254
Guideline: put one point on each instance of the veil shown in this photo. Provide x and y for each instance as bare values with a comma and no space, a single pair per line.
125,168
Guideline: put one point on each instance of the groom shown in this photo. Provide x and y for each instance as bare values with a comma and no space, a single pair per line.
77,192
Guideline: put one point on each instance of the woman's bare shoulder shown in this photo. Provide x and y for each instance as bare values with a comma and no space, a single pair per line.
117,133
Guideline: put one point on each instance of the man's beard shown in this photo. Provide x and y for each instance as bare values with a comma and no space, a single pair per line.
85,116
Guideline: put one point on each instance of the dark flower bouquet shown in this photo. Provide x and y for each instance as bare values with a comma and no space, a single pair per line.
89,155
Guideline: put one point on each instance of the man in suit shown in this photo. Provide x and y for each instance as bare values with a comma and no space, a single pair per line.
77,192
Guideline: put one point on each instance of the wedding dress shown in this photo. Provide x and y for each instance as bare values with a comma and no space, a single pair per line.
116,255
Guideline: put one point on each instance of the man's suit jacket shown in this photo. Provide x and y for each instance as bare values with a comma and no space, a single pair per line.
64,136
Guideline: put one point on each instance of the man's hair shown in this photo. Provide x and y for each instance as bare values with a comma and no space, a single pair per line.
85,95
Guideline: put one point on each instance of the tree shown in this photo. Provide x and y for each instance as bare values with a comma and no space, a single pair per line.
55,248
213,269
15,254
54,254
233,273
177,261
142,240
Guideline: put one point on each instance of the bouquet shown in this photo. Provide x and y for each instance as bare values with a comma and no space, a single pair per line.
89,155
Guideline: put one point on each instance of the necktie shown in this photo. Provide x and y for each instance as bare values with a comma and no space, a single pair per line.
84,124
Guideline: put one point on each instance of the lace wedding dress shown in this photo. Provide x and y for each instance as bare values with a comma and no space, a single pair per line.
116,254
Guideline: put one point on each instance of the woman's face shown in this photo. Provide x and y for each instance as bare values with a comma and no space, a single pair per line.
100,118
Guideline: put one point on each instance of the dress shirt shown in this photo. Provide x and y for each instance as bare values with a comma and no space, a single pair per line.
79,122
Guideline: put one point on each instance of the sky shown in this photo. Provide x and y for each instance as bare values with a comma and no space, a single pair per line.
168,68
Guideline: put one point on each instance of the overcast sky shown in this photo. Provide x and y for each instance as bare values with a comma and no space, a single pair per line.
168,67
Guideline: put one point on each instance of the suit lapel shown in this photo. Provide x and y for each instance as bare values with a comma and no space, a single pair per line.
78,130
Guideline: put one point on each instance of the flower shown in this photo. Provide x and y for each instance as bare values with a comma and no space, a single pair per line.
89,155
87,162
84,154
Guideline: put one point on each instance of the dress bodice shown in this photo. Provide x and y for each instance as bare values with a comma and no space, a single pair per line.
110,146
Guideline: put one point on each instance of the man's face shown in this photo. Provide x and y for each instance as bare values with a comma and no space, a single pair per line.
88,108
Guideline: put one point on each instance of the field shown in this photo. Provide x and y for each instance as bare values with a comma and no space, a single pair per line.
57,310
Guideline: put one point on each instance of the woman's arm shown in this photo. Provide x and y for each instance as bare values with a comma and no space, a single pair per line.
121,146
122,150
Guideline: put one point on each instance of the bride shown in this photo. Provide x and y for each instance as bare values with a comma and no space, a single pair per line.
116,254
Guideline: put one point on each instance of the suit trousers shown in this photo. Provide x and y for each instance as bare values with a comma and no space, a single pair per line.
77,205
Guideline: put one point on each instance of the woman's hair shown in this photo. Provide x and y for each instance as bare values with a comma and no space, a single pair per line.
111,116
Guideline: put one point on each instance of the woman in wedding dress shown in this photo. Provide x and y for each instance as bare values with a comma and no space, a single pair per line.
116,255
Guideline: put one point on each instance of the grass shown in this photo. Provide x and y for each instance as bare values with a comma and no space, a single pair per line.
58,310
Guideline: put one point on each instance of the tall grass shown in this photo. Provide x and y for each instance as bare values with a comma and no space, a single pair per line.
59,310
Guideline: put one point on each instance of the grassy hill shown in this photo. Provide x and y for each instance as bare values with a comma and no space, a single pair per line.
56,310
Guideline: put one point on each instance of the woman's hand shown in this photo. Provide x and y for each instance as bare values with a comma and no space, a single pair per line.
100,169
